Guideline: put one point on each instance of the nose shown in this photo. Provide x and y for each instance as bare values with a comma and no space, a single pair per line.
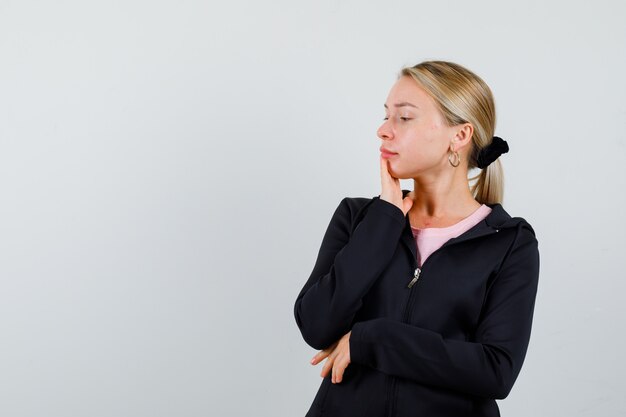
384,132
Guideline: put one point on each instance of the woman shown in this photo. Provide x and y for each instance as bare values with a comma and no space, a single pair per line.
422,301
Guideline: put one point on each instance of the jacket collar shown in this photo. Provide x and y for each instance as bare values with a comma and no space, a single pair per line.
498,218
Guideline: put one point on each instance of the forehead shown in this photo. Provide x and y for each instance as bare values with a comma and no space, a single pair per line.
406,89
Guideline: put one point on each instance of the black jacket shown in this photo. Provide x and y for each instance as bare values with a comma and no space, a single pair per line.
448,345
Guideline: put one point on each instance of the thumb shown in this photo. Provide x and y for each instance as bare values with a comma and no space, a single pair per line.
407,203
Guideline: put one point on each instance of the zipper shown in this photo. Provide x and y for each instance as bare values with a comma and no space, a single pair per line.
407,309
416,276
392,400
418,270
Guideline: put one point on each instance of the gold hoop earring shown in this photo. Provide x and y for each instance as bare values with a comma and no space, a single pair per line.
457,158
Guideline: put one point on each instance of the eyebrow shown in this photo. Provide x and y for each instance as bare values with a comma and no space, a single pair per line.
402,104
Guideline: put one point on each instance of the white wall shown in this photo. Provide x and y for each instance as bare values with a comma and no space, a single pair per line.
168,168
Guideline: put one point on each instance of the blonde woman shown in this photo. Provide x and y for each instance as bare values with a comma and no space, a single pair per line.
422,301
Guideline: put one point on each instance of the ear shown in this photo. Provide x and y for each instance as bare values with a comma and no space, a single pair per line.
463,136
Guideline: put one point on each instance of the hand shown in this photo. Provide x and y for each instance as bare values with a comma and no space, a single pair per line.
338,358
391,190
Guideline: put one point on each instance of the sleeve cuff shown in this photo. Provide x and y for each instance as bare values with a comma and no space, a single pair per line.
358,347
389,209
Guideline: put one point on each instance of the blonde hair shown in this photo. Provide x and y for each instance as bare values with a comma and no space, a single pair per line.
463,97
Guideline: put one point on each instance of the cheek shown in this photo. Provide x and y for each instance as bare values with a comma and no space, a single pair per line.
418,154
436,141
435,133
424,145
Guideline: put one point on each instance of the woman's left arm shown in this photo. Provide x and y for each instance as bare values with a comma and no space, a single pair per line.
487,367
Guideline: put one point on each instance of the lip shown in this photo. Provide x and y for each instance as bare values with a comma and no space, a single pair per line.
386,152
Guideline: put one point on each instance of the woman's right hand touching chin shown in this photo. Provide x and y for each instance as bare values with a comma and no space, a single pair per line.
391,190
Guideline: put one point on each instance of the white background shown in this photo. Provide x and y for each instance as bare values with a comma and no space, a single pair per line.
168,169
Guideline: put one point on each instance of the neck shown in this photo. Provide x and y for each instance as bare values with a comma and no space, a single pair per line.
444,195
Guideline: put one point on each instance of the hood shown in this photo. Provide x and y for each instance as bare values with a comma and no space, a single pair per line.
497,219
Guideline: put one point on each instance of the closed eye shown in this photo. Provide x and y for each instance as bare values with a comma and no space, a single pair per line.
404,119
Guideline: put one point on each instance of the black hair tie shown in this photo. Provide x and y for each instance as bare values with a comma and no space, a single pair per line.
491,152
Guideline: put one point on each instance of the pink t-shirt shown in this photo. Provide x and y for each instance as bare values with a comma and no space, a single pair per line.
430,239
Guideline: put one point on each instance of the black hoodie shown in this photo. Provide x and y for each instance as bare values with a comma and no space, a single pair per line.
446,339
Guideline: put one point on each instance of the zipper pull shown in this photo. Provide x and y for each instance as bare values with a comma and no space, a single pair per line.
416,275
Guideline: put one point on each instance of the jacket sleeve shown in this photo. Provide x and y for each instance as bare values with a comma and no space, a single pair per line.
346,267
488,365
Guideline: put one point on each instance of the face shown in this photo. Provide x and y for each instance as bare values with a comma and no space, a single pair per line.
415,130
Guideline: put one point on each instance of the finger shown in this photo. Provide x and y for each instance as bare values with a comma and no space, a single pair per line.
338,368
326,370
327,367
385,178
407,203
385,175
384,171
330,361
346,363
319,356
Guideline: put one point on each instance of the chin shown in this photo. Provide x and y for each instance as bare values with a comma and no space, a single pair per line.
401,175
